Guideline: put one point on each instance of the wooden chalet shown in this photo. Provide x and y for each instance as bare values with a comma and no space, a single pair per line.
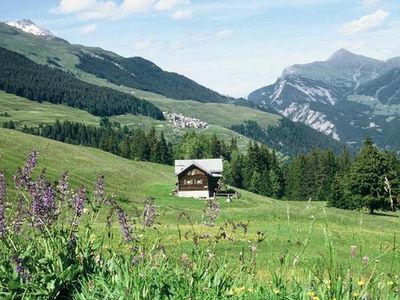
198,178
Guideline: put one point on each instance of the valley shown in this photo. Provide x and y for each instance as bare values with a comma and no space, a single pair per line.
311,161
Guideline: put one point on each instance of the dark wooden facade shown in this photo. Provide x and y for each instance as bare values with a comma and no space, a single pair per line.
195,179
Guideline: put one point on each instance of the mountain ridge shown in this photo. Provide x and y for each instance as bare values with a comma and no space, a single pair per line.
92,56
321,95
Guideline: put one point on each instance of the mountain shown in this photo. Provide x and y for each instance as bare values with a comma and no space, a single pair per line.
28,26
139,73
385,88
347,97
56,58
40,45
23,77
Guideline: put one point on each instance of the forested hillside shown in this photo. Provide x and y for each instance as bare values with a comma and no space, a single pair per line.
23,77
142,74
288,137
385,88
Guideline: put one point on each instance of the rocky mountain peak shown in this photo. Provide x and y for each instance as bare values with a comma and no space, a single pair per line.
29,26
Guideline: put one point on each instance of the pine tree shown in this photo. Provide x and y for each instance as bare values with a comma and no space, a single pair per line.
367,176
215,147
295,185
161,153
277,186
236,170
256,183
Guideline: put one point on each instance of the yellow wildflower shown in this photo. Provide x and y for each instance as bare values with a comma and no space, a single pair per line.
92,238
356,294
276,291
311,294
361,283
236,291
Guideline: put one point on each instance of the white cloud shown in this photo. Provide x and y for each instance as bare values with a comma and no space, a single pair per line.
365,23
372,2
71,6
101,9
87,29
224,33
141,45
182,14
169,4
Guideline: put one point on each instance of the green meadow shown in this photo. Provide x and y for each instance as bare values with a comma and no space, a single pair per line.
297,234
30,113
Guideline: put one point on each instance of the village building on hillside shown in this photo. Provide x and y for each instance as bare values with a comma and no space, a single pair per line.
198,178
182,121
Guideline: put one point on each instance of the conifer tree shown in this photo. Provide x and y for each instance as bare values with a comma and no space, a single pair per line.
367,176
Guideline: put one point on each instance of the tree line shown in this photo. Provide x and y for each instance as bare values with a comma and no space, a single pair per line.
288,137
110,137
259,170
25,78
370,179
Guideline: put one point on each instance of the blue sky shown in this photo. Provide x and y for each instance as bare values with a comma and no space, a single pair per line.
230,46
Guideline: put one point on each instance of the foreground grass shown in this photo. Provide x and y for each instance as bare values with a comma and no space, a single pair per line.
297,233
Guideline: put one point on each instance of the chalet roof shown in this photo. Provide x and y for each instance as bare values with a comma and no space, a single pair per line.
213,167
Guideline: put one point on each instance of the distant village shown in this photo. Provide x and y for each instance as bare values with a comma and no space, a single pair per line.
182,121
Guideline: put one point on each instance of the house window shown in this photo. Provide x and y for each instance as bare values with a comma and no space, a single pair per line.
194,172
188,181
199,181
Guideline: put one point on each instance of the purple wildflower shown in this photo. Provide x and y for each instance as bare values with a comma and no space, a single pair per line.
3,229
79,201
149,213
99,188
136,259
211,211
63,184
49,204
2,187
123,223
36,190
49,198
19,214
22,177
20,268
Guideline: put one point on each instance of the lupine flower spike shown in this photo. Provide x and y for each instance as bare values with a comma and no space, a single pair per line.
2,205
123,223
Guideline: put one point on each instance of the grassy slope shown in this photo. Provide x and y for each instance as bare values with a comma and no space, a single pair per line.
30,113
224,115
289,226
